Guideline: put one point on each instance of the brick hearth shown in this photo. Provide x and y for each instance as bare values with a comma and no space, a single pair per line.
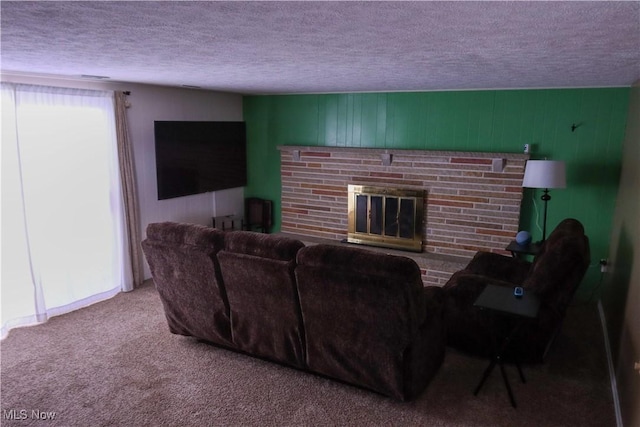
472,200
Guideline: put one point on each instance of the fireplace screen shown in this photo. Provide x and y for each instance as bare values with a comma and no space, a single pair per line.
385,217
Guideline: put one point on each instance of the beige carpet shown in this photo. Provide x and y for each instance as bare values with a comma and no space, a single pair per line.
116,364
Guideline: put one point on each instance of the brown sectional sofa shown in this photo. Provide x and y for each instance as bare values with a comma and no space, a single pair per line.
347,313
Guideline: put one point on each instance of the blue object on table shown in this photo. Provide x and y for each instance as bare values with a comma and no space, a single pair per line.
523,238
518,292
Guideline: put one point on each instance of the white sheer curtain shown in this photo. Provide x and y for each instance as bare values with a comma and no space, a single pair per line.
62,218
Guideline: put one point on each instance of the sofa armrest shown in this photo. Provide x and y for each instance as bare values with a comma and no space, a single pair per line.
499,267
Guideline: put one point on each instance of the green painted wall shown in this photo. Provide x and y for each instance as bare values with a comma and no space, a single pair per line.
494,121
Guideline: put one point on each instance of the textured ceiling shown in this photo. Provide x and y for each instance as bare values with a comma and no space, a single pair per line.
302,47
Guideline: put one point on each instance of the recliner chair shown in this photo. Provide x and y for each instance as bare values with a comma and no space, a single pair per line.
554,275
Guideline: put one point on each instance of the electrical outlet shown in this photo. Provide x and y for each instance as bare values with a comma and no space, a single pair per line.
603,265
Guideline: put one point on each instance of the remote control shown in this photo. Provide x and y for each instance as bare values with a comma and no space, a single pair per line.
518,292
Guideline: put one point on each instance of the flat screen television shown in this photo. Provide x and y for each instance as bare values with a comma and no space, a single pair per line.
198,157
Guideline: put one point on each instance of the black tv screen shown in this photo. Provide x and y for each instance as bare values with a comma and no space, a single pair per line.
197,157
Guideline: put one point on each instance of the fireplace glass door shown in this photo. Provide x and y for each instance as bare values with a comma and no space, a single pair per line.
385,217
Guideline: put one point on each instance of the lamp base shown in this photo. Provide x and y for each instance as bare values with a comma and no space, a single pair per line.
545,198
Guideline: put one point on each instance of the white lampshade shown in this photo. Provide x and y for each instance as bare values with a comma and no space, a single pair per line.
544,174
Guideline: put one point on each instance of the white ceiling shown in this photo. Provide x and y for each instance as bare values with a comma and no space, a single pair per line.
307,47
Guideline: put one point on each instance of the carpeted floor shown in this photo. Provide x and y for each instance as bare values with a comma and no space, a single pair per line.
115,363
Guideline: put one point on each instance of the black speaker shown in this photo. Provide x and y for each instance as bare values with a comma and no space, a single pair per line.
258,214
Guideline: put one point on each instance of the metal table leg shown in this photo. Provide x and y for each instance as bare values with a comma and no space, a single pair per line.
497,359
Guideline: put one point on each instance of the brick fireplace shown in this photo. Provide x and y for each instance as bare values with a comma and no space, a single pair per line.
471,200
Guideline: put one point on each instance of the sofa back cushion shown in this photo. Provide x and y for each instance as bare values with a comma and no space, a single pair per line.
183,264
360,310
559,267
258,273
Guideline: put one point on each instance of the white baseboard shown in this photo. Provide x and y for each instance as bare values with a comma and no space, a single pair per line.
612,371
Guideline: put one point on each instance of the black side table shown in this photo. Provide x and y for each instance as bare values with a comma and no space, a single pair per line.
516,249
501,300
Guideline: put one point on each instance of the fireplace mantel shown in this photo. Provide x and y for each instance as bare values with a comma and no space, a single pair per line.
472,199
379,152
